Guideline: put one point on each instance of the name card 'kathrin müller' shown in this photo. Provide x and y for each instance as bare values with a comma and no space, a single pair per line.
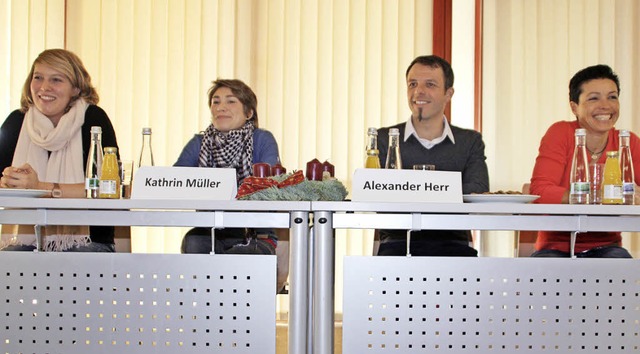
184,183
380,185
187,183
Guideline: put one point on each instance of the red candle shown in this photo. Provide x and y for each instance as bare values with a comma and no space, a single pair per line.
278,169
314,170
261,169
328,167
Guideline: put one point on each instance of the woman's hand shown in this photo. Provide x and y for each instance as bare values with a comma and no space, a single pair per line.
636,196
24,177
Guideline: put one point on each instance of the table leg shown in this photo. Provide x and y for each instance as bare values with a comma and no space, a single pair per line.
311,263
213,241
298,282
38,231
323,279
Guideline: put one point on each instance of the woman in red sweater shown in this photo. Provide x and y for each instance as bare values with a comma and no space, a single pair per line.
593,96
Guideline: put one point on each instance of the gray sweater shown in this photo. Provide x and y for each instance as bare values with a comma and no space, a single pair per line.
466,156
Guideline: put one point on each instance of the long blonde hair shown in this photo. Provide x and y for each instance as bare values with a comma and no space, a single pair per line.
71,66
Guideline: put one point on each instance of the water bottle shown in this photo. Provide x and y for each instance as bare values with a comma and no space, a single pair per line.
94,164
626,169
393,153
580,186
373,154
146,154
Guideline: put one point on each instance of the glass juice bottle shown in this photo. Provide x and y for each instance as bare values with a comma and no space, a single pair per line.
146,153
393,154
626,169
110,176
580,186
612,180
94,164
373,158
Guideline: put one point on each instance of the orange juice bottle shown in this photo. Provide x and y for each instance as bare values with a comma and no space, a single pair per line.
612,180
110,176
373,155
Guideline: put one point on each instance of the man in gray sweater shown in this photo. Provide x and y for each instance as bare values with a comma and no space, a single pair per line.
428,138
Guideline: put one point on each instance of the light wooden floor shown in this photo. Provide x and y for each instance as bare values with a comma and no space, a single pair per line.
281,338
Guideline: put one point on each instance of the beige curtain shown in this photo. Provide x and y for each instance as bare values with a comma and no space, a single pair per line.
26,28
531,50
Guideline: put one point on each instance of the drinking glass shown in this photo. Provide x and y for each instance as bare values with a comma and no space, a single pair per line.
126,177
596,173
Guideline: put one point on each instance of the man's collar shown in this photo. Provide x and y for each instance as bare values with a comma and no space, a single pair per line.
411,130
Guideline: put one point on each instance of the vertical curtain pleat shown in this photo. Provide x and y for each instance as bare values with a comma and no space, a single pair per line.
26,28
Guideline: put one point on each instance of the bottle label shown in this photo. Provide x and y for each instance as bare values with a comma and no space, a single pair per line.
108,186
580,188
612,191
628,188
91,183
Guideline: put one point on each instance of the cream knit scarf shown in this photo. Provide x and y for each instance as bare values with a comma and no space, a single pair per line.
55,153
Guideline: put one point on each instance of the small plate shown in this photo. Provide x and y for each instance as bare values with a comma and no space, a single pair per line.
499,198
24,193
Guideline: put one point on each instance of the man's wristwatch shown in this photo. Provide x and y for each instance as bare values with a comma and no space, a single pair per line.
56,192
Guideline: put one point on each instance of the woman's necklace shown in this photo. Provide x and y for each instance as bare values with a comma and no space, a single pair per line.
596,155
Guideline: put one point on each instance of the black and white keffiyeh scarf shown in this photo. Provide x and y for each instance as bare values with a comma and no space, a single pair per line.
228,150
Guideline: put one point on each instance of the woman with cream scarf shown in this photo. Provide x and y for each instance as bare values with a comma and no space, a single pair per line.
44,146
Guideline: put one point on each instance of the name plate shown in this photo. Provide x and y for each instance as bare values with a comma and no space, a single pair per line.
184,183
381,185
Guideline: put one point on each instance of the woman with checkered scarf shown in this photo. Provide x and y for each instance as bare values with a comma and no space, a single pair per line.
232,140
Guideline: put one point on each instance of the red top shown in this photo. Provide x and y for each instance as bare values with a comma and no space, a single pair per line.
550,180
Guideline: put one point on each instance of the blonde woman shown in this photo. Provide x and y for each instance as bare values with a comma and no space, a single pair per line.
44,145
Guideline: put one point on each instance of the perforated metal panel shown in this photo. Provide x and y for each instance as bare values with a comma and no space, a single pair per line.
137,303
489,305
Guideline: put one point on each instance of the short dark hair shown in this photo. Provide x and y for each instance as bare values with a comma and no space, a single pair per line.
587,74
435,61
242,91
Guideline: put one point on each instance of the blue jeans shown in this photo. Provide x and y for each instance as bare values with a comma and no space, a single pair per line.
91,247
597,252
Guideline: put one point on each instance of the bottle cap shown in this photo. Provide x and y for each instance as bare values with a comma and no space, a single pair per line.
581,132
96,129
624,132
395,131
372,131
110,150
146,131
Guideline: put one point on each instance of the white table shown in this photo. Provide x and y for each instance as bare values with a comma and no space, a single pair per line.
445,216
189,213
